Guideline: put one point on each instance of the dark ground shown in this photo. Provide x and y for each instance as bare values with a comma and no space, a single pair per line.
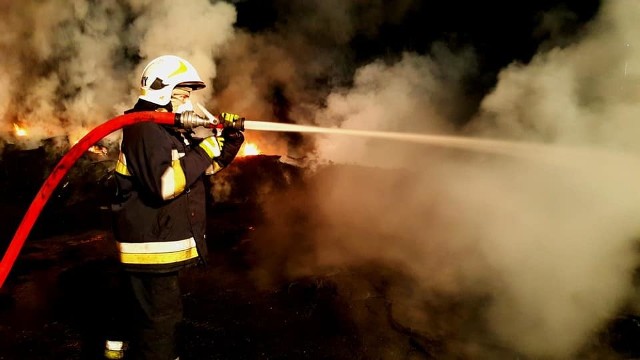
57,300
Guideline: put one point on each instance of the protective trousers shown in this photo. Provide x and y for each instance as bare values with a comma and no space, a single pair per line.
158,314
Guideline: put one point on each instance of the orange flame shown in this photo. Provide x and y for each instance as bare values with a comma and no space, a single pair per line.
100,150
20,131
250,149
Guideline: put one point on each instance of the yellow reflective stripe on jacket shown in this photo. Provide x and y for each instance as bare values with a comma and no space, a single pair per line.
211,146
121,165
173,181
164,252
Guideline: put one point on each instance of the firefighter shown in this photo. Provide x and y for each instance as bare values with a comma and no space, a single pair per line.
159,207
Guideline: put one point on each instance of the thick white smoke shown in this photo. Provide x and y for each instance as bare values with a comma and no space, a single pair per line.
583,94
71,66
551,246
409,95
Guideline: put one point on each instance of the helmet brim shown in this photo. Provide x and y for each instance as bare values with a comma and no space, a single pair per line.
195,85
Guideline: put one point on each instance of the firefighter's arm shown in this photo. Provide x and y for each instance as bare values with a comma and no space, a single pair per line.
160,169
227,147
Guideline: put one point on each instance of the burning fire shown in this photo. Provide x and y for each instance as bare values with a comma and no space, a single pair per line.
250,149
99,150
20,131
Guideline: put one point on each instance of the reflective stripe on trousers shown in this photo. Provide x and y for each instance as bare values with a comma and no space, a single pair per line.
161,252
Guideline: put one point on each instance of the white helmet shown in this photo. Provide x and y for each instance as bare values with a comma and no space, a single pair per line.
163,74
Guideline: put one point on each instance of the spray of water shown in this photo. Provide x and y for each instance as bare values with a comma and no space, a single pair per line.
555,154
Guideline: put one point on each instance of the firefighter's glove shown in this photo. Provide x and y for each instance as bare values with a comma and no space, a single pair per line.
232,140
230,120
212,145
232,135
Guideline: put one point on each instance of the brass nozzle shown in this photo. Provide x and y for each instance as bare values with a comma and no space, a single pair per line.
190,120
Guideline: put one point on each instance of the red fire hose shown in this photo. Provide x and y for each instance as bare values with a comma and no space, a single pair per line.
61,169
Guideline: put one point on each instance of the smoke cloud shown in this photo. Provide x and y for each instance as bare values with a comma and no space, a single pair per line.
504,255
70,66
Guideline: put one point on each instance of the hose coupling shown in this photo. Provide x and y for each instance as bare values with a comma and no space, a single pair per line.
190,120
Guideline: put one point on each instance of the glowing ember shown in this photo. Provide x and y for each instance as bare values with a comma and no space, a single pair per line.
250,149
20,131
100,150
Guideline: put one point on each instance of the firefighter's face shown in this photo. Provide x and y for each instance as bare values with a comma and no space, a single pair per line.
180,99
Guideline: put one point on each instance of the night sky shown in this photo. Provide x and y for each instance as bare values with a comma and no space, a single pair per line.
499,32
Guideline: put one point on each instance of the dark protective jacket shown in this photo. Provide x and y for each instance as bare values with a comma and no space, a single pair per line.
159,207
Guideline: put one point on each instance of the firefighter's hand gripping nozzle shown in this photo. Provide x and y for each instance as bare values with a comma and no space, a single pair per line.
190,120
